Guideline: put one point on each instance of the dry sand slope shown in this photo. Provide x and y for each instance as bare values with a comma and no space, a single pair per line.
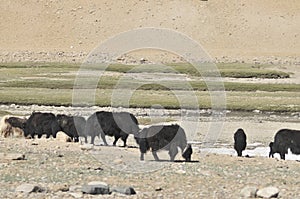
228,29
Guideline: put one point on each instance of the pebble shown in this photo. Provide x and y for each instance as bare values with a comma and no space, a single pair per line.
98,183
87,147
76,195
61,187
29,188
75,188
62,137
124,190
248,192
96,188
268,192
180,171
12,156
118,161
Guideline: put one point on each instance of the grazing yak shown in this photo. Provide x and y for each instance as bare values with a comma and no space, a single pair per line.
166,137
41,123
187,153
73,126
285,139
119,125
12,126
240,141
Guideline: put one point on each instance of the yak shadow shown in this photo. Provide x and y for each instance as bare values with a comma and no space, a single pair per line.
118,146
192,161
175,161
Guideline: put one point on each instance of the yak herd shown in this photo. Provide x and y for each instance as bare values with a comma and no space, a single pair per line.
122,124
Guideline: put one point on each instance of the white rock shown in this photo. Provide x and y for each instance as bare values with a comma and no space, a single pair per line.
248,192
87,147
28,188
268,192
62,137
180,171
75,188
97,183
118,161
77,195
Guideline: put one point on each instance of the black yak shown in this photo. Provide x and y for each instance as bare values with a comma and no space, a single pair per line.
41,123
119,125
285,139
240,141
73,126
166,137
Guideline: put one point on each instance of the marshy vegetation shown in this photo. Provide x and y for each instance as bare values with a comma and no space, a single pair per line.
53,84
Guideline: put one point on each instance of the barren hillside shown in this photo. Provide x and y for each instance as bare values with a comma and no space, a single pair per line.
227,29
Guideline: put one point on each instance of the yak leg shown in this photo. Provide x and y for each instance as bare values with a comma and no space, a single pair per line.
142,156
116,139
239,152
155,156
92,139
124,138
173,152
282,156
103,138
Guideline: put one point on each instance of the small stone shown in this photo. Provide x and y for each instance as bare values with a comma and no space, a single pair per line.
75,188
248,192
76,195
62,137
268,192
12,156
87,147
61,187
98,183
29,188
180,171
124,190
158,189
96,188
118,161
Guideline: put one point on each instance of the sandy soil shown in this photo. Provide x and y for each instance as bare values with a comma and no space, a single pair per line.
51,30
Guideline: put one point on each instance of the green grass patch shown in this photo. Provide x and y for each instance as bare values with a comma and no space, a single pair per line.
52,84
242,101
2,113
236,70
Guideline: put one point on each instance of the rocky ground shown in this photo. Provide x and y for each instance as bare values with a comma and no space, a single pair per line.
55,169
61,170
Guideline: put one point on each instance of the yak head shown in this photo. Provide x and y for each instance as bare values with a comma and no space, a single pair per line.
187,152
